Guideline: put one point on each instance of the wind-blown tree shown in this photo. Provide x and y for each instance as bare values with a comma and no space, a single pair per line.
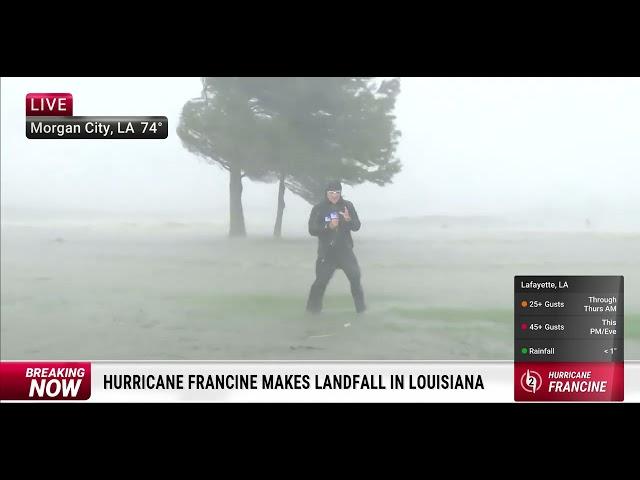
222,128
326,128
299,131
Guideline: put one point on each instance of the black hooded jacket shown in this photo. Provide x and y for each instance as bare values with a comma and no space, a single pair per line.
337,239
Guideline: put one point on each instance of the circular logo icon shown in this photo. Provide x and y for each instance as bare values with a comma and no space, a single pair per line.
531,381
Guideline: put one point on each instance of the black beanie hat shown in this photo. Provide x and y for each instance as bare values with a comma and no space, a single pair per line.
335,186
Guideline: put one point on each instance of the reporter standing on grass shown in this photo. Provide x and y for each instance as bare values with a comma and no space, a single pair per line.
332,221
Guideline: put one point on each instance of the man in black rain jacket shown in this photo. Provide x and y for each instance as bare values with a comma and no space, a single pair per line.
332,221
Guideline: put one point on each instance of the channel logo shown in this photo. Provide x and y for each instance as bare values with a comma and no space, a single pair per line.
531,381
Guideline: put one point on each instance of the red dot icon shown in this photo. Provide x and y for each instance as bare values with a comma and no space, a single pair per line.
523,326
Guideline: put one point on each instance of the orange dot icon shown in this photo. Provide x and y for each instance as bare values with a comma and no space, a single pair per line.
523,304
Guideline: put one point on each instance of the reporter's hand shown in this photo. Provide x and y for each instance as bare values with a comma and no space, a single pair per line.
334,224
346,215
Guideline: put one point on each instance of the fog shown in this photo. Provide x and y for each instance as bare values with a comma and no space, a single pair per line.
560,149
119,250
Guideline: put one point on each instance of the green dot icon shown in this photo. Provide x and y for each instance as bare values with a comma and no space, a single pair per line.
524,350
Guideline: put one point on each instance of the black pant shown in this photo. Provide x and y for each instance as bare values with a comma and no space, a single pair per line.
325,266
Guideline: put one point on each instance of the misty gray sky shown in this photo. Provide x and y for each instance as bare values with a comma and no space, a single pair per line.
488,146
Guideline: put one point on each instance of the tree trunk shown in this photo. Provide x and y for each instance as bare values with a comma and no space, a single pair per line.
236,215
277,230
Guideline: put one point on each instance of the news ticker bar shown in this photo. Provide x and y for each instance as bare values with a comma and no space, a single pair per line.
105,128
245,382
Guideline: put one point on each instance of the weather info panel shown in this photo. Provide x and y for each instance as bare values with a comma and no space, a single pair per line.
569,338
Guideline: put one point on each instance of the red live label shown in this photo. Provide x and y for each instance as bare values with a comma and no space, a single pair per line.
49,105
45,380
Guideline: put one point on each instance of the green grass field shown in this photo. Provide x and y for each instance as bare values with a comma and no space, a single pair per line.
184,291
